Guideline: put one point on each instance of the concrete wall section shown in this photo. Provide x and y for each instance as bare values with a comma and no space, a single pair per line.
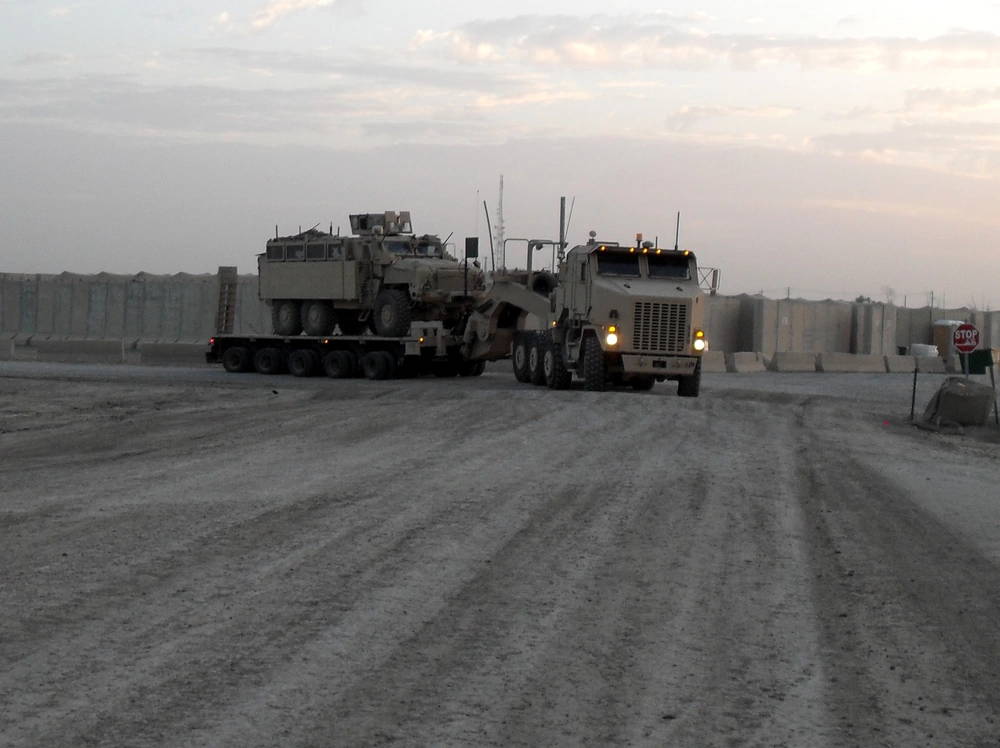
793,361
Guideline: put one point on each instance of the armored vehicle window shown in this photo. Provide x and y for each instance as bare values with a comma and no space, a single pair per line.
315,251
618,263
398,247
673,266
276,253
295,252
336,252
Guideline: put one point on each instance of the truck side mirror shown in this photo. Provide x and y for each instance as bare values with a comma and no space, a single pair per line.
471,247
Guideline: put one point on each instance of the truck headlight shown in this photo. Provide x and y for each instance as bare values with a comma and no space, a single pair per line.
611,339
700,344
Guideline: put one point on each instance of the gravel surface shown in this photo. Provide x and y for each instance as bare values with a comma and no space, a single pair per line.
193,558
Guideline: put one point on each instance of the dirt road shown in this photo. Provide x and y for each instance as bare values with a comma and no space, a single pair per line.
192,558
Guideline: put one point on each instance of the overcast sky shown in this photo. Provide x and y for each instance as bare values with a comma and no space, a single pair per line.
843,149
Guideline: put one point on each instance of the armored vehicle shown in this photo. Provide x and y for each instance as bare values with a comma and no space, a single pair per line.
614,314
383,277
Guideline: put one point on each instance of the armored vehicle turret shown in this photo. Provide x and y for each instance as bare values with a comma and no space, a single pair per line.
383,277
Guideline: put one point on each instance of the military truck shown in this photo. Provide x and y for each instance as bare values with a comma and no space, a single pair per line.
614,315
383,277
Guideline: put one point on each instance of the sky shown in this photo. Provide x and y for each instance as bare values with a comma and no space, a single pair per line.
827,151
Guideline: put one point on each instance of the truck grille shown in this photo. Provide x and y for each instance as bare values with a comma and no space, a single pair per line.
660,328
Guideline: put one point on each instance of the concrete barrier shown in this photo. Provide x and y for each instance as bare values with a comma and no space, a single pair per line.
188,353
745,362
900,364
850,363
713,362
76,350
792,361
930,365
7,347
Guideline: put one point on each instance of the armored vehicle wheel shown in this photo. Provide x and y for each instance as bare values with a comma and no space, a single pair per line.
688,386
303,363
339,364
519,355
390,363
317,317
348,322
268,361
642,384
536,364
392,313
375,365
471,368
286,318
557,376
238,358
595,368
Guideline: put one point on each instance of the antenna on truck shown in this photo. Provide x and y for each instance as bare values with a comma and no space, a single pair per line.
677,235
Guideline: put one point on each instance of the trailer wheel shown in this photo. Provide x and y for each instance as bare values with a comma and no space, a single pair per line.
390,364
317,317
595,367
522,342
269,361
642,384
348,322
375,365
237,359
557,376
689,385
302,362
536,365
286,318
338,364
392,313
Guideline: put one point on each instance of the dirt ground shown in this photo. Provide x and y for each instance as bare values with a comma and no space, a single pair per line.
193,558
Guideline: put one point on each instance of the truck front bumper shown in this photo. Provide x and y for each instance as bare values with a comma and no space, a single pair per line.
633,363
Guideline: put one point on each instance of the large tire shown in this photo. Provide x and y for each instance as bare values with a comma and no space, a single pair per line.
303,362
317,318
519,356
348,322
557,376
269,361
237,359
536,363
392,313
375,365
286,318
642,383
690,385
390,364
595,366
339,364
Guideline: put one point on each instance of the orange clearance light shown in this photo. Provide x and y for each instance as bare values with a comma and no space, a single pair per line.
699,334
631,250
645,250
420,339
612,328
603,248
658,251
687,252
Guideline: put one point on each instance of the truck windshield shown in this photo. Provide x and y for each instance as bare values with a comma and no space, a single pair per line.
671,266
398,247
617,263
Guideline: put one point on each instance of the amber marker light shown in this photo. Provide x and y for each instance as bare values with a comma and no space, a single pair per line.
420,339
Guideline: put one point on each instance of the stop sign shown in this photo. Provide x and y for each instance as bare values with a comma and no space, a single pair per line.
966,338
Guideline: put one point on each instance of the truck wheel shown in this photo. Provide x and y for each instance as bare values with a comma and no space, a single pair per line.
338,364
375,365
390,364
317,318
286,318
471,368
444,369
269,361
557,376
688,386
595,367
302,363
237,359
641,384
392,313
347,321
519,355
536,365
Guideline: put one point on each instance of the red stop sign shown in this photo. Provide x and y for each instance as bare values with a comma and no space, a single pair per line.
966,338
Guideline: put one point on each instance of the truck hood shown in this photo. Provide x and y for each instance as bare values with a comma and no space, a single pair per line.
646,288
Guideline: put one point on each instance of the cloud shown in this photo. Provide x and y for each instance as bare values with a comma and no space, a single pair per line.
274,11
685,117
664,42
950,100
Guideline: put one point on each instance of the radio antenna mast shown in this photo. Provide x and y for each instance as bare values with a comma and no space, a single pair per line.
677,235
500,228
